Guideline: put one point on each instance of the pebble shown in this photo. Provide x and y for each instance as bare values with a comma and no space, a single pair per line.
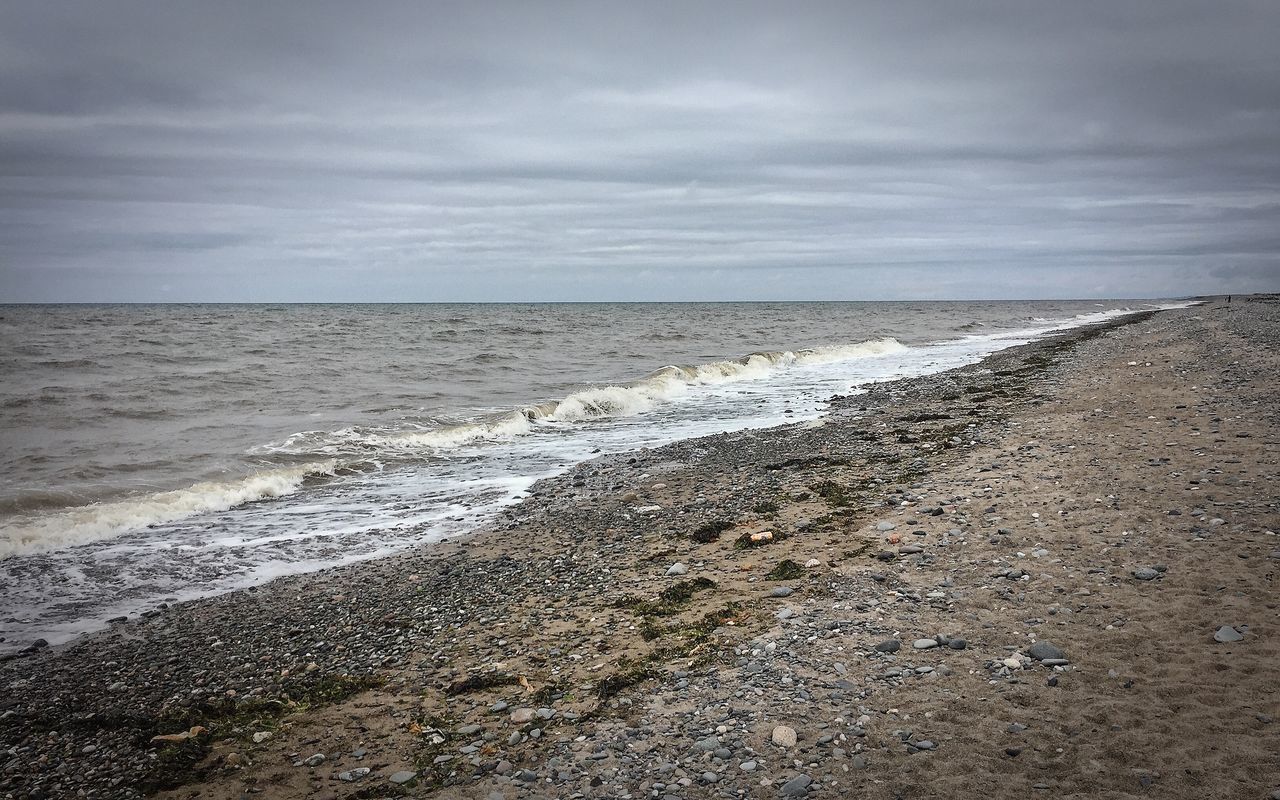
889,646
354,774
924,644
403,776
677,568
784,736
797,786
1146,574
885,525
262,736
314,761
1227,634
1042,651
522,715
782,591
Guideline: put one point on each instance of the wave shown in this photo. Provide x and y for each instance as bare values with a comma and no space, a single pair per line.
623,400
361,449
90,523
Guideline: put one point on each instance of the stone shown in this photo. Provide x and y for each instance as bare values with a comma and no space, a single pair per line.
402,777
262,736
784,736
677,569
522,715
1146,574
353,774
748,766
924,744
782,591
957,644
910,550
1227,634
889,646
1043,650
813,562
313,761
885,525
924,644
797,786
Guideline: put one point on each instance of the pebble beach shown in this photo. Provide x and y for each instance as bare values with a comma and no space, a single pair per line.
1048,574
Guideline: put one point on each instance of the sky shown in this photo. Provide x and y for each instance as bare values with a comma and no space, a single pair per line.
549,151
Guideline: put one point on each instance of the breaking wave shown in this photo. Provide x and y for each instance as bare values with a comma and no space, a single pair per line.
103,520
361,449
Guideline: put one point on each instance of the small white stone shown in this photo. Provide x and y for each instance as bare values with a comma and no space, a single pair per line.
784,736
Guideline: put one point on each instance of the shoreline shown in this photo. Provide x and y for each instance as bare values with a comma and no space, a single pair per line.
566,606
128,606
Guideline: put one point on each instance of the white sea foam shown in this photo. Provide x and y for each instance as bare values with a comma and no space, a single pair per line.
44,532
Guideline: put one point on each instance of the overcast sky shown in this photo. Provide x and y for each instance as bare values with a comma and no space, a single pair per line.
422,151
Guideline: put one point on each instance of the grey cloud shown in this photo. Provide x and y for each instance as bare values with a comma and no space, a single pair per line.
441,151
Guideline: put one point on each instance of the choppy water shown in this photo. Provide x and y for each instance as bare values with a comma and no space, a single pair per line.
153,453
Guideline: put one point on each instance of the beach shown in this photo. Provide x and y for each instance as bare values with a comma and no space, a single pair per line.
1049,573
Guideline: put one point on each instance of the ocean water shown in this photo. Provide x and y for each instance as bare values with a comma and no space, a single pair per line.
153,453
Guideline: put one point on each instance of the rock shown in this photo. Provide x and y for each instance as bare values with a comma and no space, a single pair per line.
797,786
785,613
1227,634
354,774
924,744
1042,650
762,537
313,761
522,715
889,646
957,644
885,525
262,736
910,550
784,736
677,569
748,766
402,777
813,562
924,644
470,730
1146,574
782,591
233,760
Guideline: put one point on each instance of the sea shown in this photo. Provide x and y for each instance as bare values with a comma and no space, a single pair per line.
151,454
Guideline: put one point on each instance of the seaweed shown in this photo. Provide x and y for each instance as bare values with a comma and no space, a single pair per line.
785,571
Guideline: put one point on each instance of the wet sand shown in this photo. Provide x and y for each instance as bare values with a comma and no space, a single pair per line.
1002,580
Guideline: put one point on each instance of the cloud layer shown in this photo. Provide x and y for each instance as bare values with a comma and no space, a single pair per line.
622,151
